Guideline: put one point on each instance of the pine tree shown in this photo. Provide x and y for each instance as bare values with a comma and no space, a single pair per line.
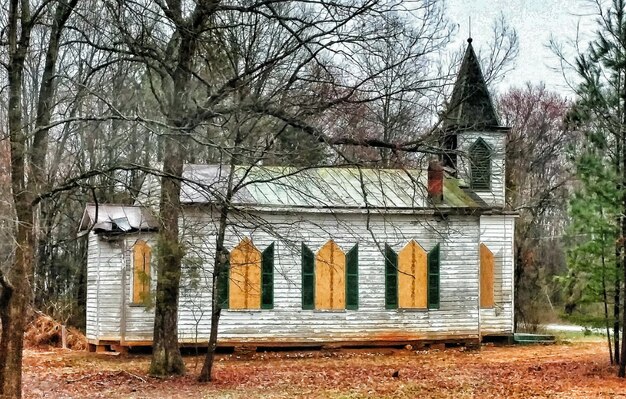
593,275
600,114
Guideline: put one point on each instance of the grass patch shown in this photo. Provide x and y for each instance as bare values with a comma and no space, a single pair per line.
579,336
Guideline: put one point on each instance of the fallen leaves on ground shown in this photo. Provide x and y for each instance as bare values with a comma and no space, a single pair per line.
578,370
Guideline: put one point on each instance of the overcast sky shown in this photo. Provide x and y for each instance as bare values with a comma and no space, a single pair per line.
535,21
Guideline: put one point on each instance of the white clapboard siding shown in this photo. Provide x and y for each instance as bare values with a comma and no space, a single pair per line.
93,258
496,231
495,139
108,291
459,236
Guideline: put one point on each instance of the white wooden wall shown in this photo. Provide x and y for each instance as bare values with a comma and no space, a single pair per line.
458,316
104,277
496,231
93,288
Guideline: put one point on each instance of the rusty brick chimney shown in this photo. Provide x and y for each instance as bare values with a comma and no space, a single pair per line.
435,181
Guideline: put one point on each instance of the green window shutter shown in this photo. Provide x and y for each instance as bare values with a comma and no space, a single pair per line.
391,278
222,285
308,278
480,165
352,278
267,278
433,278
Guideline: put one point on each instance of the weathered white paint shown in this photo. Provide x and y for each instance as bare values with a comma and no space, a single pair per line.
497,141
496,231
458,316
93,258
103,291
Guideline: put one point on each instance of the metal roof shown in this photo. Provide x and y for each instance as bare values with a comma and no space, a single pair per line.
117,218
321,187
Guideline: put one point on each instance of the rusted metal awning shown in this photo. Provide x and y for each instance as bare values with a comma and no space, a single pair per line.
109,218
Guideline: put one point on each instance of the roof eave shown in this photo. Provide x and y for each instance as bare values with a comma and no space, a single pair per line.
453,128
350,209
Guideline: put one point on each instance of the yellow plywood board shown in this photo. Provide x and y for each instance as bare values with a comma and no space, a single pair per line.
486,277
245,276
412,276
141,271
330,274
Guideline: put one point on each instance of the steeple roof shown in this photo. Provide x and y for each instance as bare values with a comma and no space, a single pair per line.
470,105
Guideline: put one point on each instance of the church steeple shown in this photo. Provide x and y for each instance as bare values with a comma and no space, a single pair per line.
470,105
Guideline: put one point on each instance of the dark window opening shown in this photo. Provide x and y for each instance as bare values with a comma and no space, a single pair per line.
480,165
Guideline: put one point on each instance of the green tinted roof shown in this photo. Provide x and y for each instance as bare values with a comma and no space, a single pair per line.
323,187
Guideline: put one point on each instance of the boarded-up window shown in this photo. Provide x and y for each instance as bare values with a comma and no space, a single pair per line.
480,165
247,281
244,287
330,278
141,271
412,277
486,277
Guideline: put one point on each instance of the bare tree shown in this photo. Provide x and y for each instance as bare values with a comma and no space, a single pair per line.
238,83
27,173
537,187
405,74
235,69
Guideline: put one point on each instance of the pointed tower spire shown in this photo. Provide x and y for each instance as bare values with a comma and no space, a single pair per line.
470,105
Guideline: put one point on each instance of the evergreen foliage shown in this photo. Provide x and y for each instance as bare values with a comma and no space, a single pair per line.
596,257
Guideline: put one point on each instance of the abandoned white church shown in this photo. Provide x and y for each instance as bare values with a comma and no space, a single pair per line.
340,256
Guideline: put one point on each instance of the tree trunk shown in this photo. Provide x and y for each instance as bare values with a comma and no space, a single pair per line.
16,298
166,357
6,293
622,158
618,266
221,260
606,305
206,374
622,359
14,314
25,187
616,315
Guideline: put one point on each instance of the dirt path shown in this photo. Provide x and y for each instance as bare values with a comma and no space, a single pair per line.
578,370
